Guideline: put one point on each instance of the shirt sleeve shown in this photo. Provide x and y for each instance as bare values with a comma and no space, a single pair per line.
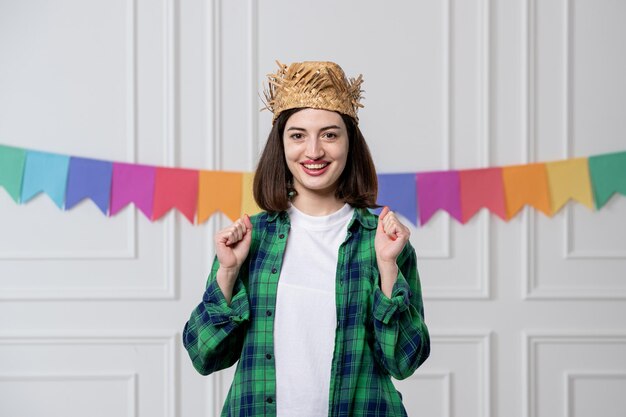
214,334
402,341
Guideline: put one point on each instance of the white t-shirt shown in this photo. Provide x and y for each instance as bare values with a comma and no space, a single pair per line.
306,315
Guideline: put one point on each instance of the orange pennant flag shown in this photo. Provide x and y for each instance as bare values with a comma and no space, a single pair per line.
569,179
526,184
248,204
175,187
219,190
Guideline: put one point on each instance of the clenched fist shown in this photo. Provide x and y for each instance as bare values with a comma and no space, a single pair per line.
232,245
391,236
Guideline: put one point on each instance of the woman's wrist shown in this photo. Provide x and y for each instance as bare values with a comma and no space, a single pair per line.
388,276
226,280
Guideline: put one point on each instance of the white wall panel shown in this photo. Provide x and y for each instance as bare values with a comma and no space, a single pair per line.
588,392
109,372
457,376
574,47
565,371
110,78
100,394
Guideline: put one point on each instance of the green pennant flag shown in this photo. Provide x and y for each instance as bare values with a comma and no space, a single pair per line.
608,176
12,170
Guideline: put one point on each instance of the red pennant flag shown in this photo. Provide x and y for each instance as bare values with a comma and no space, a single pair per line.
175,187
482,188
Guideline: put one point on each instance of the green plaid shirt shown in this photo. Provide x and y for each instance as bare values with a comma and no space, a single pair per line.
376,337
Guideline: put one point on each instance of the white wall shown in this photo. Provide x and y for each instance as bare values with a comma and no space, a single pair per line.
527,317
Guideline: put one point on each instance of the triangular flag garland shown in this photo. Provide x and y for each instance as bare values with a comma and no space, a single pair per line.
198,194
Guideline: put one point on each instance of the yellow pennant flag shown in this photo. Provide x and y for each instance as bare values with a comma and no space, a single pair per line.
219,191
248,204
569,179
526,184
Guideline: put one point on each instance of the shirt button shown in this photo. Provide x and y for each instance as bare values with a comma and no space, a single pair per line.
268,313
268,356
269,400
274,270
281,235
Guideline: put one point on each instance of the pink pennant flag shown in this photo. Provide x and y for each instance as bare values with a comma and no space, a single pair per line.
438,190
175,187
482,188
132,183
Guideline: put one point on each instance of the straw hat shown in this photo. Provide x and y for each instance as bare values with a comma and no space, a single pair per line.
314,84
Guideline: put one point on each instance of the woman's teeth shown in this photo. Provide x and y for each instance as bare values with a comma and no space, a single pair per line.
314,166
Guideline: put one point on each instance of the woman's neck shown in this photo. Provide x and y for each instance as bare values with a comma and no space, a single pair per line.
317,205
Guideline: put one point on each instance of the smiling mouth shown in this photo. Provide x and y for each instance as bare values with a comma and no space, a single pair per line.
316,166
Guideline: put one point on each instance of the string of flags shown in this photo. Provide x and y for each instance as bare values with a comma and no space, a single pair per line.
198,194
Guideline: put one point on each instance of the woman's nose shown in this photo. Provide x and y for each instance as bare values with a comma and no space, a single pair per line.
314,149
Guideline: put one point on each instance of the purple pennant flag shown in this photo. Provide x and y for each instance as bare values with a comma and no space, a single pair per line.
398,191
89,178
132,183
438,190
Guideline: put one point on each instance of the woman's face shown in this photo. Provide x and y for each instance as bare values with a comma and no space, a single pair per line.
316,150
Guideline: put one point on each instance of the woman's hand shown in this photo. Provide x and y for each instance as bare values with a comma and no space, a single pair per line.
391,236
232,245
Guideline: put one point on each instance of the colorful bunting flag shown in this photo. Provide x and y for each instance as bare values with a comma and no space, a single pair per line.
89,178
12,170
399,192
569,179
199,193
438,190
526,184
608,176
45,172
132,183
482,187
175,187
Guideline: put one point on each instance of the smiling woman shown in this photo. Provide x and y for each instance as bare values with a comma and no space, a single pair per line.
317,298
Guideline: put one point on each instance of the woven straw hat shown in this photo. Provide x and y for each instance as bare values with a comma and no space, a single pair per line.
314,84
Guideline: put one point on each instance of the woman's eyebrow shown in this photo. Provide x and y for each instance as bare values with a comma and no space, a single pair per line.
324,128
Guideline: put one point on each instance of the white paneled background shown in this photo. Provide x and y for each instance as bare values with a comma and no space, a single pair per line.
528,318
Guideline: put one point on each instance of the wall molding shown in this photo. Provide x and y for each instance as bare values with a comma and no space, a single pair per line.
532,339
130,379
571,377
483,339
167,339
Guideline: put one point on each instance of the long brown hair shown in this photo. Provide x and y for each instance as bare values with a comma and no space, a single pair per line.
358,185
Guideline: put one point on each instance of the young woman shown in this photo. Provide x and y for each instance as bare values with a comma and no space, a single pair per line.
317,298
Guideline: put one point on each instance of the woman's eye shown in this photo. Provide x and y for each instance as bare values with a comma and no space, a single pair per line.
296,136
330,135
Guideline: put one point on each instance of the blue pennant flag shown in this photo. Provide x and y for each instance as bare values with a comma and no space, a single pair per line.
45,172
89,178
